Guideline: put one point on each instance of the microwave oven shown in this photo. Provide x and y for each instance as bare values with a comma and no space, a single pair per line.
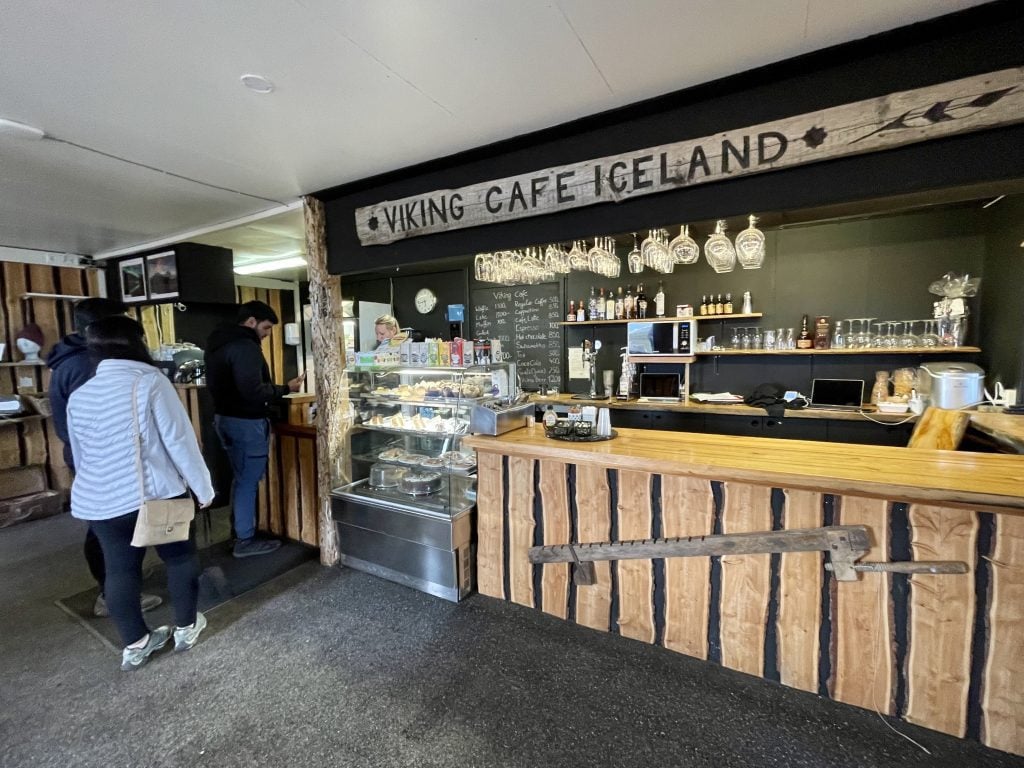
668,337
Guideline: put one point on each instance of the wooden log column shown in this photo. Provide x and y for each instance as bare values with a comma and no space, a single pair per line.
872,637
332,424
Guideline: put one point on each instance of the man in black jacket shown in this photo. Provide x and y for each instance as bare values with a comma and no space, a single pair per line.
238,379
71,367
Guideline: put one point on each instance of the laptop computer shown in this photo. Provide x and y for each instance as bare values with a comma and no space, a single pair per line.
837,394
659,387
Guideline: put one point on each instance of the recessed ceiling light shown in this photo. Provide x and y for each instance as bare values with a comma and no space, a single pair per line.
270,266
19,130
257,83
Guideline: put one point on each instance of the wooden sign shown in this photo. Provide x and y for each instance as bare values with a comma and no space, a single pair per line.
961,106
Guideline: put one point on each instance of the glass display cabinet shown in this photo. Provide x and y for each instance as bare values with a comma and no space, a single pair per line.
407,515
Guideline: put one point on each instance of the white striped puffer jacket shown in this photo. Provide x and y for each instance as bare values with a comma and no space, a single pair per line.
101,431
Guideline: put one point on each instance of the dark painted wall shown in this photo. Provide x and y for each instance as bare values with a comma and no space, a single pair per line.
1002,292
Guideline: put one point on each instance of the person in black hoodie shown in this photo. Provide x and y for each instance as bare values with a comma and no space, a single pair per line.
238,379
71,367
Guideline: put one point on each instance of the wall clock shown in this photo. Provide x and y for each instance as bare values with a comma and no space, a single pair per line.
425,301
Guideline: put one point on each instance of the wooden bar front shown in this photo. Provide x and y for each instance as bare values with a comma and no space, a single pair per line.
941,651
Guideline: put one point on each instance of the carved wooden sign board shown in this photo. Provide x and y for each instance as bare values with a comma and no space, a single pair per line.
960,106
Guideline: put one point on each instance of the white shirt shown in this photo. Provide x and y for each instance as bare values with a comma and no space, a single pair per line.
102,435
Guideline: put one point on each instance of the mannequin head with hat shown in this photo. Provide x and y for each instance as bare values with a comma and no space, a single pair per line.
29,341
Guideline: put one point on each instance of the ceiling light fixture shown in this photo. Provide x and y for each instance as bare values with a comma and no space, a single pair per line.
270,266
257,83
20,130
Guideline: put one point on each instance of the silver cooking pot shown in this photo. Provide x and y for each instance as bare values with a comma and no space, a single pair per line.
952,385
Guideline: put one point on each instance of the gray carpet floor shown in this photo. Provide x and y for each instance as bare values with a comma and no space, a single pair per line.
333,667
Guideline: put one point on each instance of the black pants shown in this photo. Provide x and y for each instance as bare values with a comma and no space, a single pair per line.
94,558
123,584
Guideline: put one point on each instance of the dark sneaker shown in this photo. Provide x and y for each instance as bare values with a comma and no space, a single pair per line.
149,602
186,637
133,658
254,547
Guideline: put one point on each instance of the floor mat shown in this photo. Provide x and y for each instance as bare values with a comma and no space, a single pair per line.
223,578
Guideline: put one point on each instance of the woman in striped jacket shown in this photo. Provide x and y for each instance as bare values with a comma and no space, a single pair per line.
106,491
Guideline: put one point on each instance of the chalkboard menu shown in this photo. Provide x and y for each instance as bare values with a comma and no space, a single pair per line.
525,319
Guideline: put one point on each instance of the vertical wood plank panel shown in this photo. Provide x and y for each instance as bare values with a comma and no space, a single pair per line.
307,488
636,577
687,509
864,667
290,497
593,507
490,544
555,498
33,442
273,484
941,620
800,579
94,277
1002,701
745,580
276,338
520,529
45,312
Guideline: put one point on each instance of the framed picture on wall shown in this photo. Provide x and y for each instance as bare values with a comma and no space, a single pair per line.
133,280
162,275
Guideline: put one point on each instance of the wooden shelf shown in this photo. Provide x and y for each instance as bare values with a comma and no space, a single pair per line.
24,364
64,296
20,419
698,318
868,351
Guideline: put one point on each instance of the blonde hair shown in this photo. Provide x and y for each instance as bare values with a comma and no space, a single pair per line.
388,321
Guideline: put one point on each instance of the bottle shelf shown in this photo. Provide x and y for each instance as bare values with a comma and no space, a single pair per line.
698,318
864,351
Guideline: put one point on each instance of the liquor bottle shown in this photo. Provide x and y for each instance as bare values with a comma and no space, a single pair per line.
804,340
581,312
629,304
728,303
620,306
720,306
703,304
609,306
641,302
592,306
711,304
550,417
570,316
659,300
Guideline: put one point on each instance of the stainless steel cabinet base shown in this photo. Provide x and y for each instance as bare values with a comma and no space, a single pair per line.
429,552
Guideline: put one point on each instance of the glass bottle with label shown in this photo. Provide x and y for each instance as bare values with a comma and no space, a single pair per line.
720,306
703,304
581,312
620,306
570,316
641,302
592,306
609,307
629,304
550,417
728,303
659,300
804,340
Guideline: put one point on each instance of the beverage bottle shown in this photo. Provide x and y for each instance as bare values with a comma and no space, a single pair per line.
703,304
550,417
711,304
620,306
571,314
804,340
599,306
581,312
659,300
641,302
629,304
592,306
728,303
609,307
720,306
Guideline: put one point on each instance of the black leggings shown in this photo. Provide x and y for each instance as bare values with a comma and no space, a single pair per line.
123,585
94,558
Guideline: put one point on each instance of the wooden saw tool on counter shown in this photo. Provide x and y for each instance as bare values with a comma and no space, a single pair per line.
844,545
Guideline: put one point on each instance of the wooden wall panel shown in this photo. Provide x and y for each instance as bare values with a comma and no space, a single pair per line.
276,341
273,483
745,580
800,578
490,526
636,577
291,497
1002,701
864,666
941,620
307,487
44,312
520,529
687,509
593,505
557,530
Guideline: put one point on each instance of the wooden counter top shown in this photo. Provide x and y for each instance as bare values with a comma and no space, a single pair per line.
722,409
971,480
1004,428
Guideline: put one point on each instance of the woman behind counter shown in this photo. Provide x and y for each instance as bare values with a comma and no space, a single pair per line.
388,332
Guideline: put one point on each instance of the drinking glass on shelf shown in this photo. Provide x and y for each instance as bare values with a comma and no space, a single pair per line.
930,338
878,338
769,340
758,340
790,339
838,337
780,338
865,338
909,339
746,338
735,342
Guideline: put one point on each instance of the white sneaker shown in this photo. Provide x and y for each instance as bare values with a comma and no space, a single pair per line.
133,658
186,637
